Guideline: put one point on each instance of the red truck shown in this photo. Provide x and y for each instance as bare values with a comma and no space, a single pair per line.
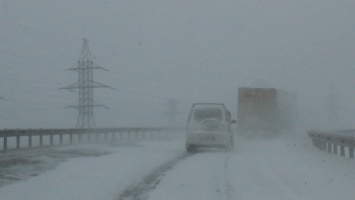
265,109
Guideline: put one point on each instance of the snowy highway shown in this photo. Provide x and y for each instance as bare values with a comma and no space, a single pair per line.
279,168
266,169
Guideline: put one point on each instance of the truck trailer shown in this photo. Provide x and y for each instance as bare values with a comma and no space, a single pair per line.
265,110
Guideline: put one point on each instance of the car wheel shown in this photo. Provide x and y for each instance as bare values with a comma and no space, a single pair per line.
190,148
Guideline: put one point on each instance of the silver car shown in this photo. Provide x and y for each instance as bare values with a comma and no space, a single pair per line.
209,125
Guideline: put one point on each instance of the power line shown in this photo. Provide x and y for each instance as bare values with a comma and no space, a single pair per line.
27,58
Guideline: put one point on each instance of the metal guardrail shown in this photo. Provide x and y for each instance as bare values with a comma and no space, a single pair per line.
333,141
80,135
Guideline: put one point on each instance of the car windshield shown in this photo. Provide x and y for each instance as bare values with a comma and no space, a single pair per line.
208,113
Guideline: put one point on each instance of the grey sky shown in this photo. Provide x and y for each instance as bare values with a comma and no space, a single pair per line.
193,51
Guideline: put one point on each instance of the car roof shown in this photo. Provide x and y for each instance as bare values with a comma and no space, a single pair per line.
221,104
207,105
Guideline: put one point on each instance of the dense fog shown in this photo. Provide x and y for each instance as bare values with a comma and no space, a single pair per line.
163,56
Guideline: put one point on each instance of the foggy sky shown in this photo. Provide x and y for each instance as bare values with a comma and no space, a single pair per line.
191,51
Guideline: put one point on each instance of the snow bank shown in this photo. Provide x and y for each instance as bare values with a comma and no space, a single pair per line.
99,178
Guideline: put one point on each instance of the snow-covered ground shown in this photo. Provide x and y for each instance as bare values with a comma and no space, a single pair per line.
283,168
278,168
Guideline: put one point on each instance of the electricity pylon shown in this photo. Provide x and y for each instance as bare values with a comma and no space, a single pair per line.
86,85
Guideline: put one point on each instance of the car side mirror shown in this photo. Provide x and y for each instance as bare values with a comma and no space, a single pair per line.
234,121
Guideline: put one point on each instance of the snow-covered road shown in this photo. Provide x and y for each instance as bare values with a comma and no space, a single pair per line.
272,169
279,168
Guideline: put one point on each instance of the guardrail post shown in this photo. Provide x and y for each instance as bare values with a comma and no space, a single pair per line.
61,139
41,140
71,138
51,139
17,142
5,142
342,150
30,140
351,152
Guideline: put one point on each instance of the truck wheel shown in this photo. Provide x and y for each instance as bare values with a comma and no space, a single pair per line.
190,148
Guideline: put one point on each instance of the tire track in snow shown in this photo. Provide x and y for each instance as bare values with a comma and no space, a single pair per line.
221,181
139,190
229,188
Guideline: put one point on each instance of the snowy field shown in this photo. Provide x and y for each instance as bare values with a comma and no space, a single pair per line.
279,168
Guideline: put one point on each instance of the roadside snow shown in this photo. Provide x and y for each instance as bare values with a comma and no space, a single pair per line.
101,178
